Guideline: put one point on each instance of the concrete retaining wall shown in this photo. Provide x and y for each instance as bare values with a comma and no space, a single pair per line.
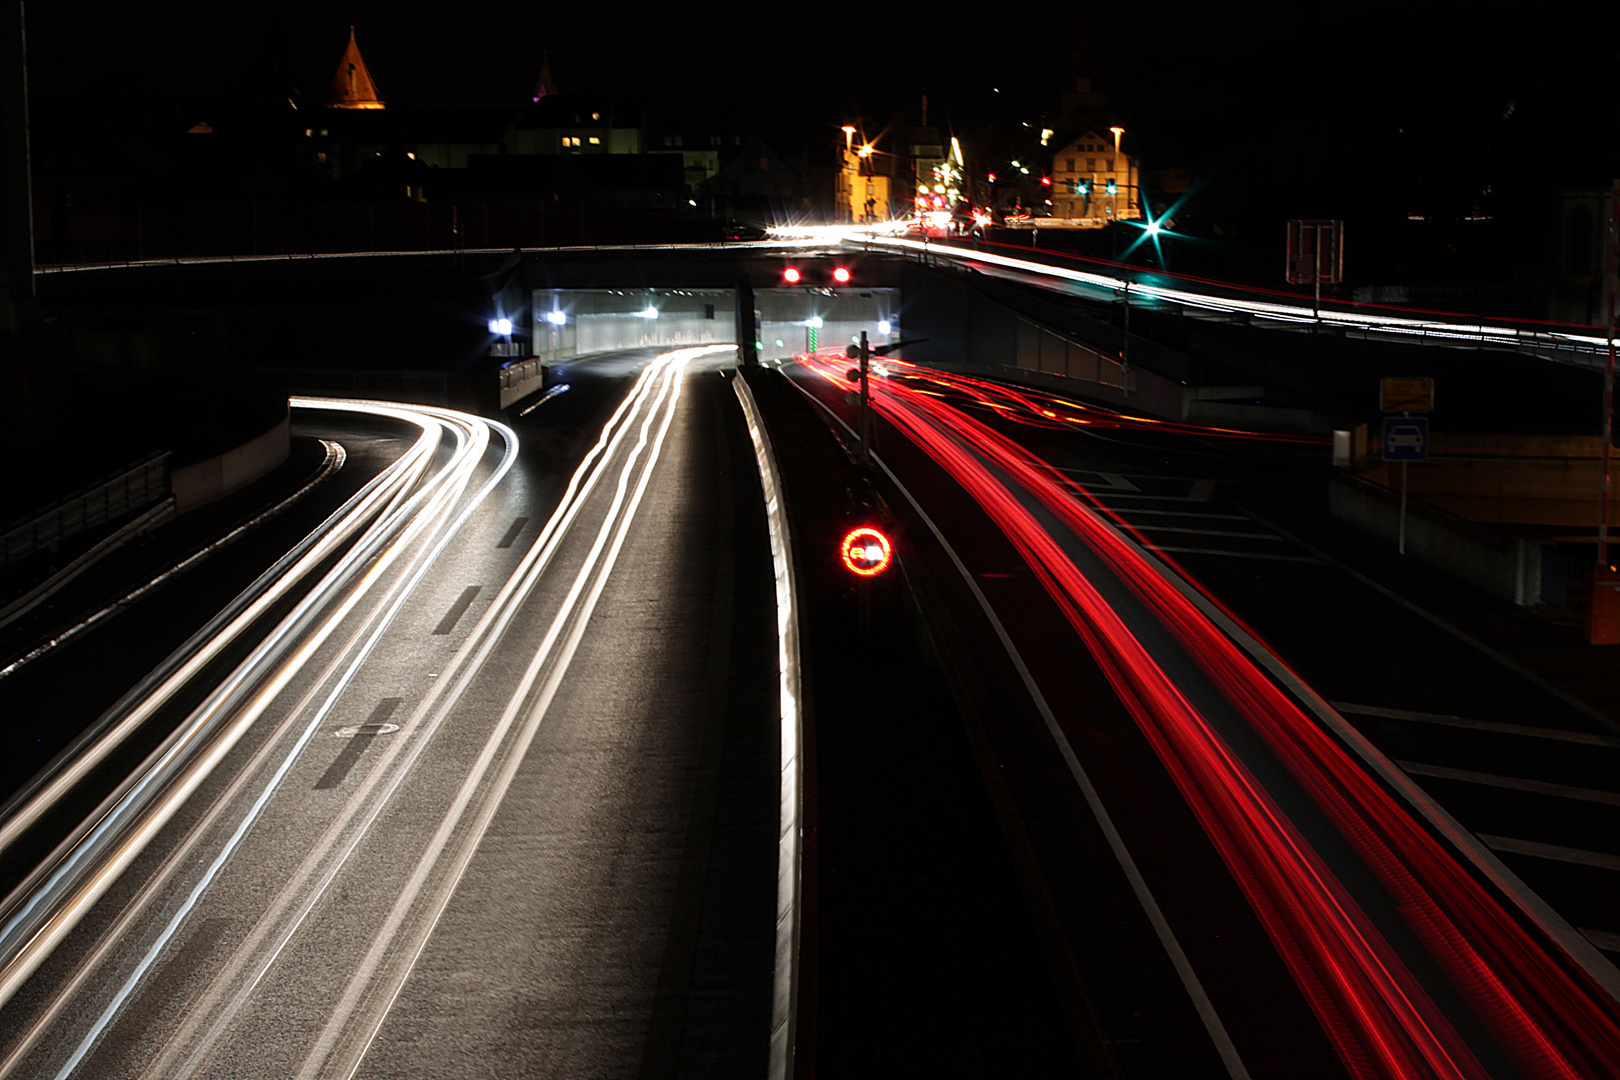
1508,568
216,477
1517,479
606,320
967,330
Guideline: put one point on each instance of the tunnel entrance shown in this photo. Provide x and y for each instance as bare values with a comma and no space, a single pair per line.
565,324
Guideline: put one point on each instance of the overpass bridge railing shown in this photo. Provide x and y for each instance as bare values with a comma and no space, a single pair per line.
1582,346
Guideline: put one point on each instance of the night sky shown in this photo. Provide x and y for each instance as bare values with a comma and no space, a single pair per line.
1172,64
1352,109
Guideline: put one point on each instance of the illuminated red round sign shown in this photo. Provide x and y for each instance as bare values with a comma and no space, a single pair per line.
866,551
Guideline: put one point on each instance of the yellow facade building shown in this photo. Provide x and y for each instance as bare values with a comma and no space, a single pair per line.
1094,182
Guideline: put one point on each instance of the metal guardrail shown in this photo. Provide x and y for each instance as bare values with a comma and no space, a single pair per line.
1579,345
136,487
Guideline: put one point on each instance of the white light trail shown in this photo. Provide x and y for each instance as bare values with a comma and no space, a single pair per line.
44,910
1462,329
212,1014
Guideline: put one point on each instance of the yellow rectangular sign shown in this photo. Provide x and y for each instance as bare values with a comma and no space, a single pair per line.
1406,395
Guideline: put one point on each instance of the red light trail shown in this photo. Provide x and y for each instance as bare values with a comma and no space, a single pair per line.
1547,1014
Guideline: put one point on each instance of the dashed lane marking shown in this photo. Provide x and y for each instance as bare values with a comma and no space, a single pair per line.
512,533
1537,787
1554,852
457,610
1212,532
1561,735
1207,514
1236,554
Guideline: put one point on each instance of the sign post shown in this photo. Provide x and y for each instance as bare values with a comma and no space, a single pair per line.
1603,605
1315,254
1405,437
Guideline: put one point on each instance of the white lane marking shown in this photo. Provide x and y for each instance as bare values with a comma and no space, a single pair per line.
1236,554
1199,492
1116,843
576,614
428,510
1473,642
1131,511
41,911
1513,783
1413,794
1559,734
1117,481
785,989
286,913
92,745
1212,532
1555,852
146,521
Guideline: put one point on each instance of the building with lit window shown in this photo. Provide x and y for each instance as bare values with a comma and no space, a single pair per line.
863,183
1094,182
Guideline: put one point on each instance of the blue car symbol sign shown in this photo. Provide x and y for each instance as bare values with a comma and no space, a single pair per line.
1406,439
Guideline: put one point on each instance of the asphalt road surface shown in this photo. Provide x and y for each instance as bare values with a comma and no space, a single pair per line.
505,804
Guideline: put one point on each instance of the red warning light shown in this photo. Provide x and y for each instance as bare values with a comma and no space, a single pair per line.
841,275
866,551
792,276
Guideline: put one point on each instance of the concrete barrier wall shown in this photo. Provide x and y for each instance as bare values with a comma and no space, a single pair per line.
1510,569
205,481
520,380
1518,479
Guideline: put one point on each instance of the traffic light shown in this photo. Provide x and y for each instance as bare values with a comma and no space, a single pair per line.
817,275
1113,188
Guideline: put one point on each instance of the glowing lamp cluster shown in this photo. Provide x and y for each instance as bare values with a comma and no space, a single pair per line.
502,326
838,275
866,552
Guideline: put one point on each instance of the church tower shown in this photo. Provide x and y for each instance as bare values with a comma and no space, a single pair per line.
352,87
546,86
